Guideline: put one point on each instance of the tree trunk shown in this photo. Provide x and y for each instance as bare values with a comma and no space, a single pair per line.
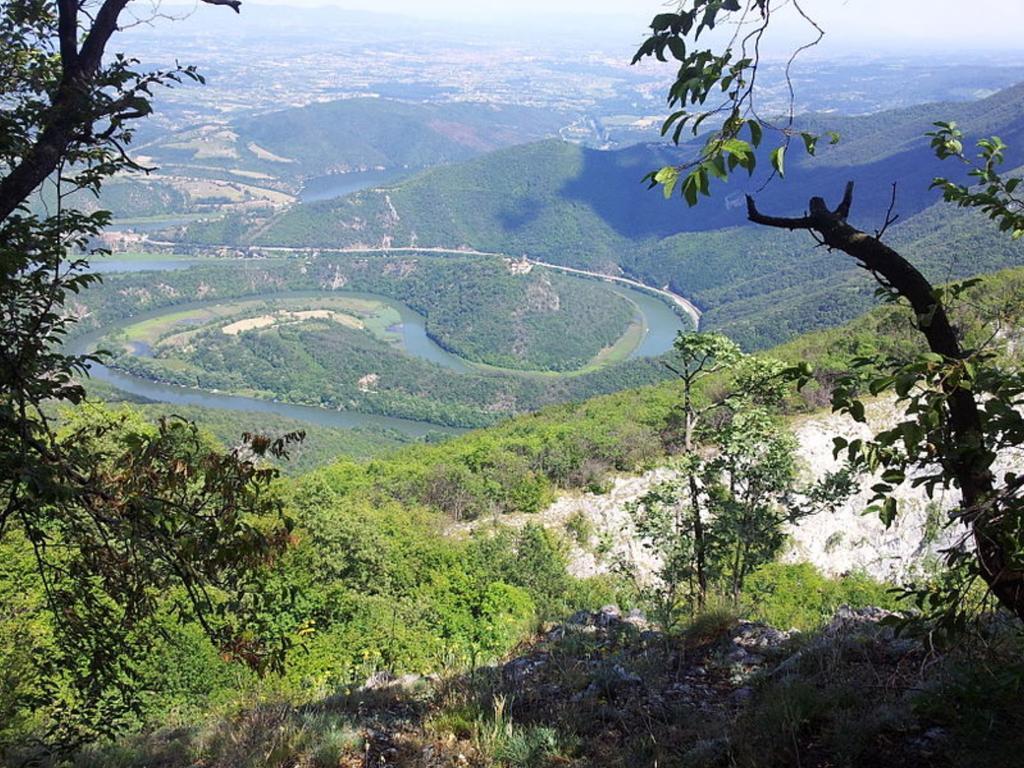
699,543
71,113
970,460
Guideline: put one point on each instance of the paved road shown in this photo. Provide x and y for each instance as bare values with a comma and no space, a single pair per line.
681,301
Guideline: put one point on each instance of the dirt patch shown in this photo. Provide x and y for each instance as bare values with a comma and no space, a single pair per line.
266,154
266,321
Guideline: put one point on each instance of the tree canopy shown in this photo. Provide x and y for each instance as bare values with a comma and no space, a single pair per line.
116,513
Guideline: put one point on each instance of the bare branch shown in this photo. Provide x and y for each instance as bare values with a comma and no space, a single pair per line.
803,223
234,4
890,218
843,211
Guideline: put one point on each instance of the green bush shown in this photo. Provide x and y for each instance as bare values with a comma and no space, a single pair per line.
799,596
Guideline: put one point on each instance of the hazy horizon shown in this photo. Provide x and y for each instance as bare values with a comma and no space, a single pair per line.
913,24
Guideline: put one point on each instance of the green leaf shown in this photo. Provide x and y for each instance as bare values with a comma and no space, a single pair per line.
690,192
671,119
756,133
737,147
703,183
779,160
716,167
857,411
893,476
810,143
678,48
740,153
668,178
887,512
663,21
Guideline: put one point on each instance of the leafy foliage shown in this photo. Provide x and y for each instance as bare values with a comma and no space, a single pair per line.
997,199
114,514
799,596
726,77
723,515
960,410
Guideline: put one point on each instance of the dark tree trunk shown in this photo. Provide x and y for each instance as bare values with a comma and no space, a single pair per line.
968,460
699,543
71,115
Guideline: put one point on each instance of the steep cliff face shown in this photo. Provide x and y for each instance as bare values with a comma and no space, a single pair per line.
844,538
838,540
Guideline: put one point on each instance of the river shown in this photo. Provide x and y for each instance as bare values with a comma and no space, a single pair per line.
661,324
340,184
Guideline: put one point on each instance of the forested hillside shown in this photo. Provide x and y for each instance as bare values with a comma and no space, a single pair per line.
570,205
364,410
261,161
523,340
385,585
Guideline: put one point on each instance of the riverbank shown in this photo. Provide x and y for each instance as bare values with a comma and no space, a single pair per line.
651,334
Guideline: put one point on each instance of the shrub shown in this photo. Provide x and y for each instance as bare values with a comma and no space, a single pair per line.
580,528
799,596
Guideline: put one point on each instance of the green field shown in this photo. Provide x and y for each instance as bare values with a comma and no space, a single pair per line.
168,331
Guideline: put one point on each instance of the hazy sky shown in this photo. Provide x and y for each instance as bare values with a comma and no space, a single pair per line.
984,23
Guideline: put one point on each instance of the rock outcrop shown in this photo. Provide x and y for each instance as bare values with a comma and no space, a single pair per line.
838,540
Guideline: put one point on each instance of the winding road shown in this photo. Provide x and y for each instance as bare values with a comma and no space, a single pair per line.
680,301
683,303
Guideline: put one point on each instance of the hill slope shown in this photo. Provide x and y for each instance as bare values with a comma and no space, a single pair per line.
571,205
349,135
386,592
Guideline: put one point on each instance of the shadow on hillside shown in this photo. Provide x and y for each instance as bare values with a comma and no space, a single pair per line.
603,690
610,182
520,214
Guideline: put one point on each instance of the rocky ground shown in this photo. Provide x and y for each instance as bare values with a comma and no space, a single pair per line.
837,540
605,689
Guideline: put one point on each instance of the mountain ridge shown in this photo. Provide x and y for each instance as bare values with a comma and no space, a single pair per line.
569,205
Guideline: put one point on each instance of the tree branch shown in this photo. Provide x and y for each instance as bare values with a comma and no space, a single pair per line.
69,114
99,34
67,32
843,211
971,462
233,4
778,222
890,218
